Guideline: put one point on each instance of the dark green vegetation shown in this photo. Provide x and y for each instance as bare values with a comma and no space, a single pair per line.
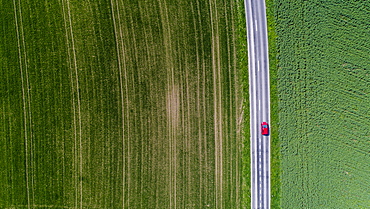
324,97
120,104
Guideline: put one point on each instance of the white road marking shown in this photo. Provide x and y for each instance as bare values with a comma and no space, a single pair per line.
259,104
255,23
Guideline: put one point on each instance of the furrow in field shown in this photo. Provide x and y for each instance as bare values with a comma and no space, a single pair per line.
138,148
73,99
152,89
197,104
28,104
118,34
153,93
77,89
228,106
141,65
204,187
172,104
144,91
218,140
72,60
127,126
188,133
24,95
121,66
131,148
214,79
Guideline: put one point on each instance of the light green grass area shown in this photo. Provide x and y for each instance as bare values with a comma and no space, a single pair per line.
243,69
324,97
121,104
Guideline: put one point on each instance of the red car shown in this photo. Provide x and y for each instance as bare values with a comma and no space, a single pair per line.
265,128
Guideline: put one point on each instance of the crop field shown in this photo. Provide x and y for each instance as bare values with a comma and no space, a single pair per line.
120,104
324,97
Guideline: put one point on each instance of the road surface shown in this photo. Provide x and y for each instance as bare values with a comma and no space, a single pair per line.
259,94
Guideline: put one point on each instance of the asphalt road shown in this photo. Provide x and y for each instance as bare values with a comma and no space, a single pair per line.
259,94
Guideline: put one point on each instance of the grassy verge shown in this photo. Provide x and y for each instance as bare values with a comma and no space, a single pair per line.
275,143
243,68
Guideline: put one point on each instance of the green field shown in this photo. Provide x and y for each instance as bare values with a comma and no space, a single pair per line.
324,96
121,104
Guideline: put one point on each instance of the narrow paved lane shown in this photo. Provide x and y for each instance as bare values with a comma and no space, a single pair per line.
259,90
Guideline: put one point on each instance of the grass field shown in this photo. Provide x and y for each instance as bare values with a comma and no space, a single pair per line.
324,95
120,104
